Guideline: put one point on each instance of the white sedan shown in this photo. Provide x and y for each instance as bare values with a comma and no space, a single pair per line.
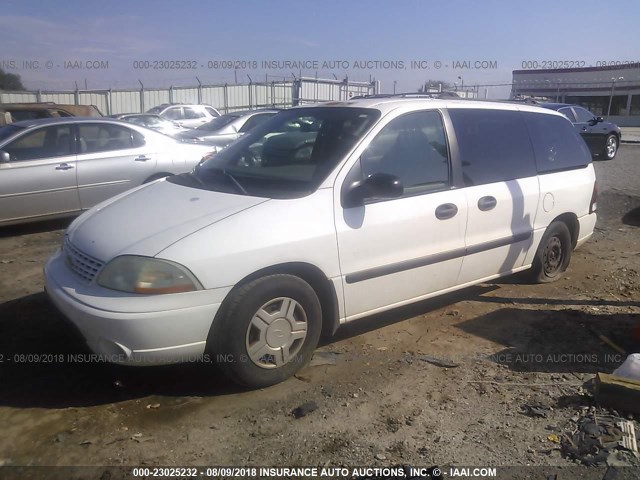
60,166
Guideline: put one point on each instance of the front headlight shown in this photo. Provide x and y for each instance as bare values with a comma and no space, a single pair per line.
151,276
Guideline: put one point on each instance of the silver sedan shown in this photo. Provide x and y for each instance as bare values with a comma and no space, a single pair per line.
60,166
223,130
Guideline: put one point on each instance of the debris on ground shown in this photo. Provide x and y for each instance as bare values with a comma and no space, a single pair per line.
602,439
618,392
438,362
608,341
630,368
536,410
304,409
324,358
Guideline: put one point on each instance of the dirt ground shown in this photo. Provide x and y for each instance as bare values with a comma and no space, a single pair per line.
378,401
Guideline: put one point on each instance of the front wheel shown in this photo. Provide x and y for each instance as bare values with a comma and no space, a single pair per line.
610,147
553,254
267,331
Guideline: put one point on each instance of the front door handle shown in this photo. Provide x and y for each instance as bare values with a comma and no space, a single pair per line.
142,158
446,210
487,203
64,166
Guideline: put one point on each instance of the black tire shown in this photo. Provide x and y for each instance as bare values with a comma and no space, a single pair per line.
553,255
232,332
611,145
156,177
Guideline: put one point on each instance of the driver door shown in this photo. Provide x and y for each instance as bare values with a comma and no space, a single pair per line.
397,250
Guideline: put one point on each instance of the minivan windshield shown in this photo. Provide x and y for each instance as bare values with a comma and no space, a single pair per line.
287,156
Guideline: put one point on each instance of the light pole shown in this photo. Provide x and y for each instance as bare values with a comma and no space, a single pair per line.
394,86
461,84
547,86
613,87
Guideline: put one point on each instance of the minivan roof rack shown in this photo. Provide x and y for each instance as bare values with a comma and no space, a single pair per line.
443,94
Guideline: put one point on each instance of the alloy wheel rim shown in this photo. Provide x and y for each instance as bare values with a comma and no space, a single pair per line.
276,333
611,147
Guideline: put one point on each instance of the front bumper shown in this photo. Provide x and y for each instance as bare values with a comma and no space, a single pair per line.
134,329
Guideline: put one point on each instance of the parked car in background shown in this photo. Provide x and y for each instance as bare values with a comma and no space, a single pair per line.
603,138
17,112
353,208
154,122
224,129
60,166
186,115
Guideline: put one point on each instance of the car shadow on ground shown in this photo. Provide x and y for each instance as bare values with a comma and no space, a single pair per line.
39,349
558,341
45,363
632,217
35,227
41,353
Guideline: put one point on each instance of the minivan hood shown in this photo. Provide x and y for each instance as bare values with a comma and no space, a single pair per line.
146,220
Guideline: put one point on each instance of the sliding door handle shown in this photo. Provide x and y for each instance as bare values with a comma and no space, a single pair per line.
446,210
487,203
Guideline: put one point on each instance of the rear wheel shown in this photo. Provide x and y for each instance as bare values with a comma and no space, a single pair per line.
553,254
267,331
610,147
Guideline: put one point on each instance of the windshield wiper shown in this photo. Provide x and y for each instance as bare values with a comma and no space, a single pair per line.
233,179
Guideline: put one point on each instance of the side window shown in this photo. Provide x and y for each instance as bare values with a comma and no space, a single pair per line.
138,139
567,112
20,115
583,115
104,137
212,112
191,113
556,144
174,114
254,121
494,145
45,142
413,148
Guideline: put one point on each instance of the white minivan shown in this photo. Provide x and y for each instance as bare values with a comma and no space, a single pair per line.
322,215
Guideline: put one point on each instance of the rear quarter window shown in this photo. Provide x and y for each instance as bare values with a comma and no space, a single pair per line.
494,145
556,144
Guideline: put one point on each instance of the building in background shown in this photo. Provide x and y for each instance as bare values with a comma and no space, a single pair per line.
610,91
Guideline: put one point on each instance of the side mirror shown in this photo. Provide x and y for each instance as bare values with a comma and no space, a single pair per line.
4,157
599,119
378,185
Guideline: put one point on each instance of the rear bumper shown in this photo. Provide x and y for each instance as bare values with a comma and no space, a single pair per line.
587,225
134,329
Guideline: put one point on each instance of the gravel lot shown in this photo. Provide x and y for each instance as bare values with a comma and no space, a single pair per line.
378,401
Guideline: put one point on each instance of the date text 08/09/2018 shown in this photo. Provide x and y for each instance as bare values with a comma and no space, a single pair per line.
315,65
314,472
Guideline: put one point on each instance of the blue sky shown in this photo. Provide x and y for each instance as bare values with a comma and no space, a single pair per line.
122,32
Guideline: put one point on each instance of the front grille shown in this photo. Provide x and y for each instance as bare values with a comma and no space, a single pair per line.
81,264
